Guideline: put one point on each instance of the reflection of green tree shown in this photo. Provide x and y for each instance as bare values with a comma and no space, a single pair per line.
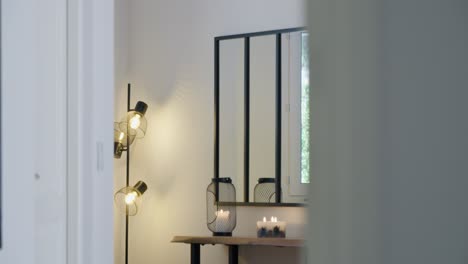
305,111
305,130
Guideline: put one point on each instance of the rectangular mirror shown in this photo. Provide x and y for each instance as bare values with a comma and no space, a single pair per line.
262,117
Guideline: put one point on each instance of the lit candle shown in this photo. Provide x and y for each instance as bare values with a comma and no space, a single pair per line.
222,223
272,228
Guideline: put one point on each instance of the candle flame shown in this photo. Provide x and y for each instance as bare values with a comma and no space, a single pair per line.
221,212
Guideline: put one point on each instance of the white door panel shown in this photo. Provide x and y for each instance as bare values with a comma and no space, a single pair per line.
17,82
50,135
34,67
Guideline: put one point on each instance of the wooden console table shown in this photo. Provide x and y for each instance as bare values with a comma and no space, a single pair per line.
233,243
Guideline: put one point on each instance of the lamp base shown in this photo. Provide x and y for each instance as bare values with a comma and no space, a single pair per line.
228,234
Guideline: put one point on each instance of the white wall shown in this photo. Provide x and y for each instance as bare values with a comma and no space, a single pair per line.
389,106
171,67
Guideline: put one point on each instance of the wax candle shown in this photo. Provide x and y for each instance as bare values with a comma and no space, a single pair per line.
272,228
222,223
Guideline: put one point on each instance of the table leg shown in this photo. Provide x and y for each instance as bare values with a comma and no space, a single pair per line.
195,253
233,254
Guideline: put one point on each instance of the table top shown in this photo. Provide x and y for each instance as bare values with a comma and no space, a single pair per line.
240,241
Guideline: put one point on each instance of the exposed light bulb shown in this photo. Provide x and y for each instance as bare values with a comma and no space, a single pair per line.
135,121
121,136
130,198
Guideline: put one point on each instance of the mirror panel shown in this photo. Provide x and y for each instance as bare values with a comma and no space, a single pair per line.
231,113
262,116
295,137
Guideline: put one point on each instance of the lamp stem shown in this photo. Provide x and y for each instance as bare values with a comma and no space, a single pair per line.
128,96
126,238
128,138
127,176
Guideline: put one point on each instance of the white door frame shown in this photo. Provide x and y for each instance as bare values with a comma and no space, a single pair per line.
90,117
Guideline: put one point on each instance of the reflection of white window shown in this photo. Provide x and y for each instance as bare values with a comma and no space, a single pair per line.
296,117
305,124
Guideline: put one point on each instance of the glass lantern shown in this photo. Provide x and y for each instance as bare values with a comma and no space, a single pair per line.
135,122
221,207
264,191
128,199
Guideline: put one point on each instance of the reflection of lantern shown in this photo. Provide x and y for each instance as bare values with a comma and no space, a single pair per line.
221,212
264,191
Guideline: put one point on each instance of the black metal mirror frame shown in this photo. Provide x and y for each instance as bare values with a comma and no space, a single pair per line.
278,110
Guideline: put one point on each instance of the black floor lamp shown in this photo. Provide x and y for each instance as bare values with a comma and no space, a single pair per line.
132,126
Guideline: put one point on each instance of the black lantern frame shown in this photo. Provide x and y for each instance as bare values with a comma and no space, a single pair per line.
221,217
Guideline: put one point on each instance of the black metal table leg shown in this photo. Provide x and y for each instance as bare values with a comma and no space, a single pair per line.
195,253
233,254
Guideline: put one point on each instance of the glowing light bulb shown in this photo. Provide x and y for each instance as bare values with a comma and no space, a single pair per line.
130,198
135,121
121,137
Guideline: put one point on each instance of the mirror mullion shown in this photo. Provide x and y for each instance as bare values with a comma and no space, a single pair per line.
246,119
278,120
